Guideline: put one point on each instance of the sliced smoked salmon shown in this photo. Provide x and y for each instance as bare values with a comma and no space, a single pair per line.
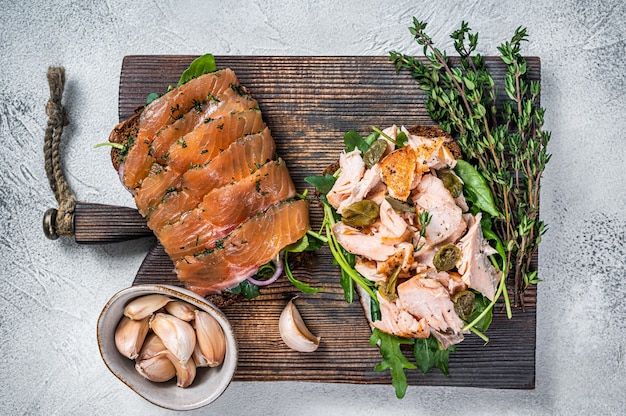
238,256
203,171
223,209
164,111
209,139
241,159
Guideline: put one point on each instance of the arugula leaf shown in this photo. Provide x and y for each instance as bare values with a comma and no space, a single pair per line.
202,65
247,289
401,139
424,351
393,359
299,246
442,358
480,304
151,97
476,188
323,184
353,139
301,286
428,353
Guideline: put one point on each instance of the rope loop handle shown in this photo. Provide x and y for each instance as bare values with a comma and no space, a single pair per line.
57,222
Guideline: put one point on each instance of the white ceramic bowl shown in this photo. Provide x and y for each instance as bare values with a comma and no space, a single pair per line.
209,383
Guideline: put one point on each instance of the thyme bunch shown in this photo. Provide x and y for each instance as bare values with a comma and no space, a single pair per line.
506,143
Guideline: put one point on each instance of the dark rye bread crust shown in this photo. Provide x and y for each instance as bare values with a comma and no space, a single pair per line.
121,134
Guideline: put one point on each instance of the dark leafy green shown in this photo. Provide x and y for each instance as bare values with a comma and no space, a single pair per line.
476,188
323,184
204,64
481,303
393,359
247,289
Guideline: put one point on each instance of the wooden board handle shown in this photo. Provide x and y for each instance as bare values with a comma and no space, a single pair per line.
101,224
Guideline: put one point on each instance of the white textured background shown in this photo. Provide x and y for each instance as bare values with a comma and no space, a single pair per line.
52,292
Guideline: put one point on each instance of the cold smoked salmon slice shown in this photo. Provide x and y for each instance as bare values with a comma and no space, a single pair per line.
223,209
242,158
238,256
164,111
208,140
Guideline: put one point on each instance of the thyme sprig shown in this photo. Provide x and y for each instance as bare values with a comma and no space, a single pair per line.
506,143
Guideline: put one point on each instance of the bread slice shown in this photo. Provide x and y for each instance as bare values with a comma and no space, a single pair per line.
122,134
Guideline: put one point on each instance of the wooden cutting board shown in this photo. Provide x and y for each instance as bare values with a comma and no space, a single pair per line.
309,103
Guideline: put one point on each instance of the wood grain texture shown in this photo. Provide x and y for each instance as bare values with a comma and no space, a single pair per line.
309,103
99,223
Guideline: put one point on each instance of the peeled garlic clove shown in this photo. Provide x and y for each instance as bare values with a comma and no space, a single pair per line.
145,306
152,347
294,332
210,338
197,356
181,310
185,372
158,368
130,335
177,335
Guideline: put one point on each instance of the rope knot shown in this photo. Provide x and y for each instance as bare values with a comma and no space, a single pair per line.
63,218
57,113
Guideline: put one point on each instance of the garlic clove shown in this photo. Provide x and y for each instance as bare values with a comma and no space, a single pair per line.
157,368
145,306
294,332
181,310
177,335
197,356
185,371
152,346
130,335
210,338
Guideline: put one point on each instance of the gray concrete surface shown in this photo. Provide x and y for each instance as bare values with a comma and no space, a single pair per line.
52,292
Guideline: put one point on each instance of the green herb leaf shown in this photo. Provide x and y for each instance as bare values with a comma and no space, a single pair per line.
301,286
480,304
323,184
353,139
393,359
151,97
247,289
442,358
204,64
476,188
424,351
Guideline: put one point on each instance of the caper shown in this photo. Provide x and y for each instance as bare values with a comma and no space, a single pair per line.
464,303
361,213
374,152
400,206
447,257
451,182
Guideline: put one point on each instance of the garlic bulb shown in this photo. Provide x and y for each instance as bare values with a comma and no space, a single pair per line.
130,335
210,339
294,332
177,335
144,306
